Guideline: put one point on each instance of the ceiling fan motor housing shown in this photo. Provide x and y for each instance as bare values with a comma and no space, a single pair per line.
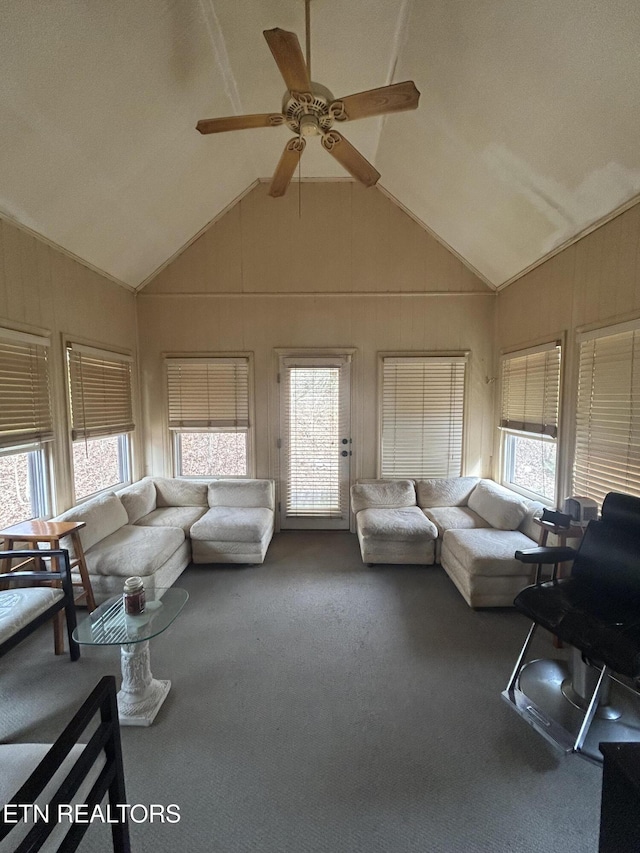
307,113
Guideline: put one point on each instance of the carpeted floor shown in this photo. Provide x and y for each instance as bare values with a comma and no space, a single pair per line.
320,706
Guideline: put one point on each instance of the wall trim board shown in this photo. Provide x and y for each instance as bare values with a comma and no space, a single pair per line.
436,237
195,237
332,294
623,208
68,254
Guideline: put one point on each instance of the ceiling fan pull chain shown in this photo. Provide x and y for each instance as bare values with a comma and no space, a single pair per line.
300,182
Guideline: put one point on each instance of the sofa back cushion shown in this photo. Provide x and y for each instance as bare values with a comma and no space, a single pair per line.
242,493
392,494
497,505
138,499
445,491
103,516
534,510
171,491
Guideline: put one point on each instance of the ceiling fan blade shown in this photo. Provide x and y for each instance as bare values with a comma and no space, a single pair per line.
287,166
375,102
350,158
287,53
221,125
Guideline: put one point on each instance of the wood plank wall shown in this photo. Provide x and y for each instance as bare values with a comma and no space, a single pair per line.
44,291
352,270
595,282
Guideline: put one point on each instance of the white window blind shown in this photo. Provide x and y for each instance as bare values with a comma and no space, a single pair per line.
607,453
422,416
25,410
99,391
208,393
315,484
531,390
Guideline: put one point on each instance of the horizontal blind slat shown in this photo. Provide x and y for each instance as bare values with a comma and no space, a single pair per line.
100,393
25,413
607,448
422,416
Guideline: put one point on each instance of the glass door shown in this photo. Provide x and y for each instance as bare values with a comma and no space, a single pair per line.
315,443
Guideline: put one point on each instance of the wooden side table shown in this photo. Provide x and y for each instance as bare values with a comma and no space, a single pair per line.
51,533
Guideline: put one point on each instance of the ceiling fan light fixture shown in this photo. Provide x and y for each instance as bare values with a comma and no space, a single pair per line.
309,109
309,126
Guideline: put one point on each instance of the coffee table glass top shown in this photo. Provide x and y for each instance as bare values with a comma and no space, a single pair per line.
109,625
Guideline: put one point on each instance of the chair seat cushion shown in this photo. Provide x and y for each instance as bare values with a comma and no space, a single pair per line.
604,628
233,524
134,550
400,524
487,552
18,607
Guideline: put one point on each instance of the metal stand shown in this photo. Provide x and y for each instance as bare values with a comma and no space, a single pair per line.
571,710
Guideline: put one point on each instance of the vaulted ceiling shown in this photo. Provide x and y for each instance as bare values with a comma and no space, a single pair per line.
527,134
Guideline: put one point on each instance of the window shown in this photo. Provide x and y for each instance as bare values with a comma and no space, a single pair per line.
209,416
422,416
26,426
607,452
530,382
101,418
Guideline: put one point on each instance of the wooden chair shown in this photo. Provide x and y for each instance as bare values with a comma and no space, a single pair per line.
41,595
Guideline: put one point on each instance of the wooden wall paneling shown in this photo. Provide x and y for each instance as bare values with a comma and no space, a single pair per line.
4,286
373,256
626,271
43,285
15,296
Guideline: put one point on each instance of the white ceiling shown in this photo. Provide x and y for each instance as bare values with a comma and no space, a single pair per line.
527,133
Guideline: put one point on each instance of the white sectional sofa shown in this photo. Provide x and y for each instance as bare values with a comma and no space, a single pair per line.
391,527
157,526
477,526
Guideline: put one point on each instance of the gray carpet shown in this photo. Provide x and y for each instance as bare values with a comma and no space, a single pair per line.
320,706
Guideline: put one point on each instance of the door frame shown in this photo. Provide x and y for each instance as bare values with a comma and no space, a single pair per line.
313,352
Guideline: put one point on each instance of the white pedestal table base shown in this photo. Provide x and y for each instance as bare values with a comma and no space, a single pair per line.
141,695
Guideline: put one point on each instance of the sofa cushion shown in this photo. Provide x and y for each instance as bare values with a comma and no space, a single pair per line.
241,493
173,516
396,523
445,491
534,510
172,491
454,518
103,516
19,607
497,505
134,550
391,494
138,499
487,551
233,524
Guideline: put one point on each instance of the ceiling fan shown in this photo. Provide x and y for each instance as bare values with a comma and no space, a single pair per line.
310,109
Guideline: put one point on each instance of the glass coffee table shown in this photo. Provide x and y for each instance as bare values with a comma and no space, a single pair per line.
141,695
